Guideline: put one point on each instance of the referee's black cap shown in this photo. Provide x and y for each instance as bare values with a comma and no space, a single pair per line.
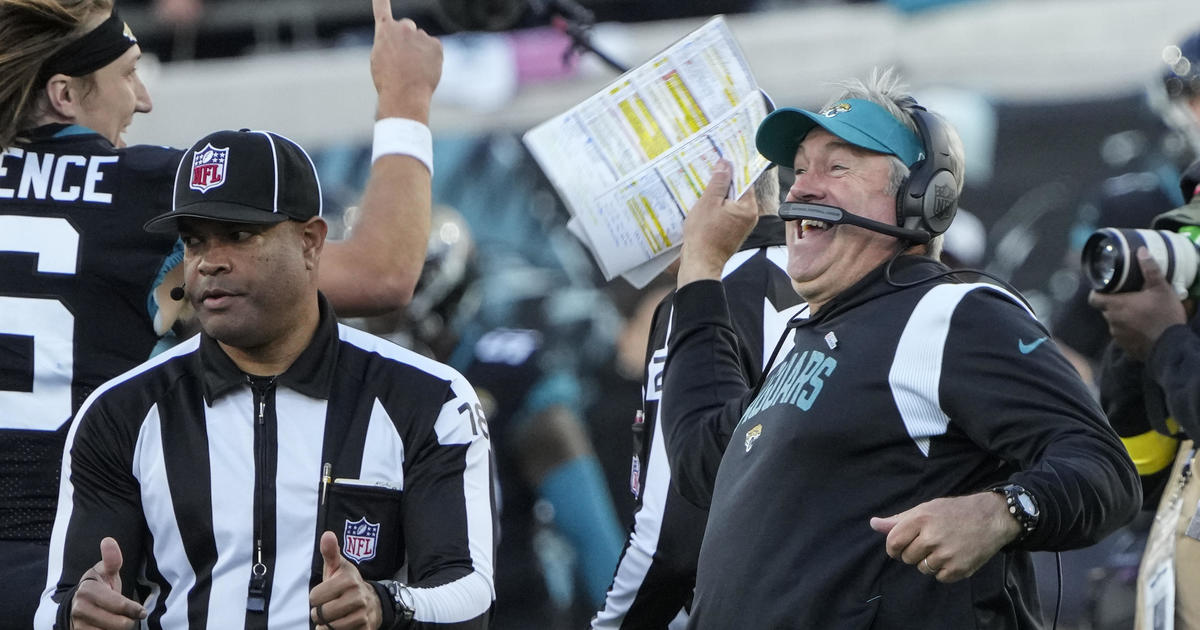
243,177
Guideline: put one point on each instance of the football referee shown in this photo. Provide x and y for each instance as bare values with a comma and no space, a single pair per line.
278,468
653,583
85,293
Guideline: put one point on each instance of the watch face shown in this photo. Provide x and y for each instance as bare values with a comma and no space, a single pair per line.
1026,503
401,597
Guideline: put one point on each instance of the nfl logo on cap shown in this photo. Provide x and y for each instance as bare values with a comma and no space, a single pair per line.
360,537
274,181
208,168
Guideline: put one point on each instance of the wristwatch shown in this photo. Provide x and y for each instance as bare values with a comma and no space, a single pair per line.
1021,505
402,602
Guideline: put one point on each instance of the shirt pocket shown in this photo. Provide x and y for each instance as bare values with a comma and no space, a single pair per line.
366,517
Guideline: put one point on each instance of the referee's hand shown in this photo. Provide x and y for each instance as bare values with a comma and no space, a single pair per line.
343,600
98,603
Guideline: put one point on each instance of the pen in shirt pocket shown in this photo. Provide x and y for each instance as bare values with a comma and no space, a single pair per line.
326,478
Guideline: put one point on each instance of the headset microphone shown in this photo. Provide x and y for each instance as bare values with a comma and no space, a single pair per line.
794,211
177,292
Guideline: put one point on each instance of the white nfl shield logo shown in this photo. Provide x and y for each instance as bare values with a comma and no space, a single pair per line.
360,537
208,168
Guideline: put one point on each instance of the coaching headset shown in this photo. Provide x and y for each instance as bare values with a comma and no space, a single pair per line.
926,201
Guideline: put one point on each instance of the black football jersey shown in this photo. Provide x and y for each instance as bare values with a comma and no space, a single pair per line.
76,276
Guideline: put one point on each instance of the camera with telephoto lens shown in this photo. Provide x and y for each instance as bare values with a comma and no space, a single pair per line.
1110,261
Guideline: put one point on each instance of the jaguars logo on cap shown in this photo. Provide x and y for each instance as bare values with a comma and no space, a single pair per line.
835,109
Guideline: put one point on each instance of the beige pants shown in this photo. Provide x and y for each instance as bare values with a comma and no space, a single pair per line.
1169,542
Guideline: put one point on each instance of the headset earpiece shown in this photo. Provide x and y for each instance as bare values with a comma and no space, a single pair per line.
928,198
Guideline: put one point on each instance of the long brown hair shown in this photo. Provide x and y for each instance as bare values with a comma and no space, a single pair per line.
30,32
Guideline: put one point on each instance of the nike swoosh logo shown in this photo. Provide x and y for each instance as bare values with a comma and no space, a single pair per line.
1026,348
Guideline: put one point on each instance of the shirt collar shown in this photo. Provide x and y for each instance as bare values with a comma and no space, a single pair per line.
310,374
74,130
55,130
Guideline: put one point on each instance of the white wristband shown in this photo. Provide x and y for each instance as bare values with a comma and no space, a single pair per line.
404,137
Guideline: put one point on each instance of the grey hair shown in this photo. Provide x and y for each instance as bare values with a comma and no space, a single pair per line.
885,88
766,191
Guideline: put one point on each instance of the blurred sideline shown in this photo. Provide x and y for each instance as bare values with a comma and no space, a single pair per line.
1048,51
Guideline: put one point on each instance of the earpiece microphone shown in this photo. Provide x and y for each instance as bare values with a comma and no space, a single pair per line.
794,211
177,292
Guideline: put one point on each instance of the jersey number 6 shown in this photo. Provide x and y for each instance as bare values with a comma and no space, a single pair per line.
41,401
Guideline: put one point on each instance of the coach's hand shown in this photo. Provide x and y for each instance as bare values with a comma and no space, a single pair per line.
406,65
715,228
98,602
343,600
949,538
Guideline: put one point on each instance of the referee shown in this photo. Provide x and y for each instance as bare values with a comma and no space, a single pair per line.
85,293
278,468
654,580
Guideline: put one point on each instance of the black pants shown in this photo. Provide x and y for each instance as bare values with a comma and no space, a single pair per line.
23,574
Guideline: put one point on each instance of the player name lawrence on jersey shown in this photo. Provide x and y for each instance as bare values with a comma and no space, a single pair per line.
41,176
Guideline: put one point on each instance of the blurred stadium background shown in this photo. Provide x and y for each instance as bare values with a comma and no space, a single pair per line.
1052,97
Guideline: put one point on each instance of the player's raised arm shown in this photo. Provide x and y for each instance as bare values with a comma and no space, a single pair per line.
375,270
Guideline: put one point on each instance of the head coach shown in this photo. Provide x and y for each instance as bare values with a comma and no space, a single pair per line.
915,437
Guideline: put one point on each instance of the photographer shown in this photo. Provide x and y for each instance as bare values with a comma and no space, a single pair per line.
1148,389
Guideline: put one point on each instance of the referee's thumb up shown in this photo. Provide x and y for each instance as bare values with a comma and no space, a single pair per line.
331,554
111,558
110,562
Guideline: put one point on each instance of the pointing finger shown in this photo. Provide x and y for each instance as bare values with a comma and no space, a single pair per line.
883,525
899,533
382,10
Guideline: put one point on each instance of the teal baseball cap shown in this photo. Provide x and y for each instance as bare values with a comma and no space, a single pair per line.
857,121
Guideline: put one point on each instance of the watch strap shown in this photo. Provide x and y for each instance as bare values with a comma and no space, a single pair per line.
397,613
386,606
1012,493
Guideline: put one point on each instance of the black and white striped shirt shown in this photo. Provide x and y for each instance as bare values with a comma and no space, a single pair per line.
187,462
653,582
